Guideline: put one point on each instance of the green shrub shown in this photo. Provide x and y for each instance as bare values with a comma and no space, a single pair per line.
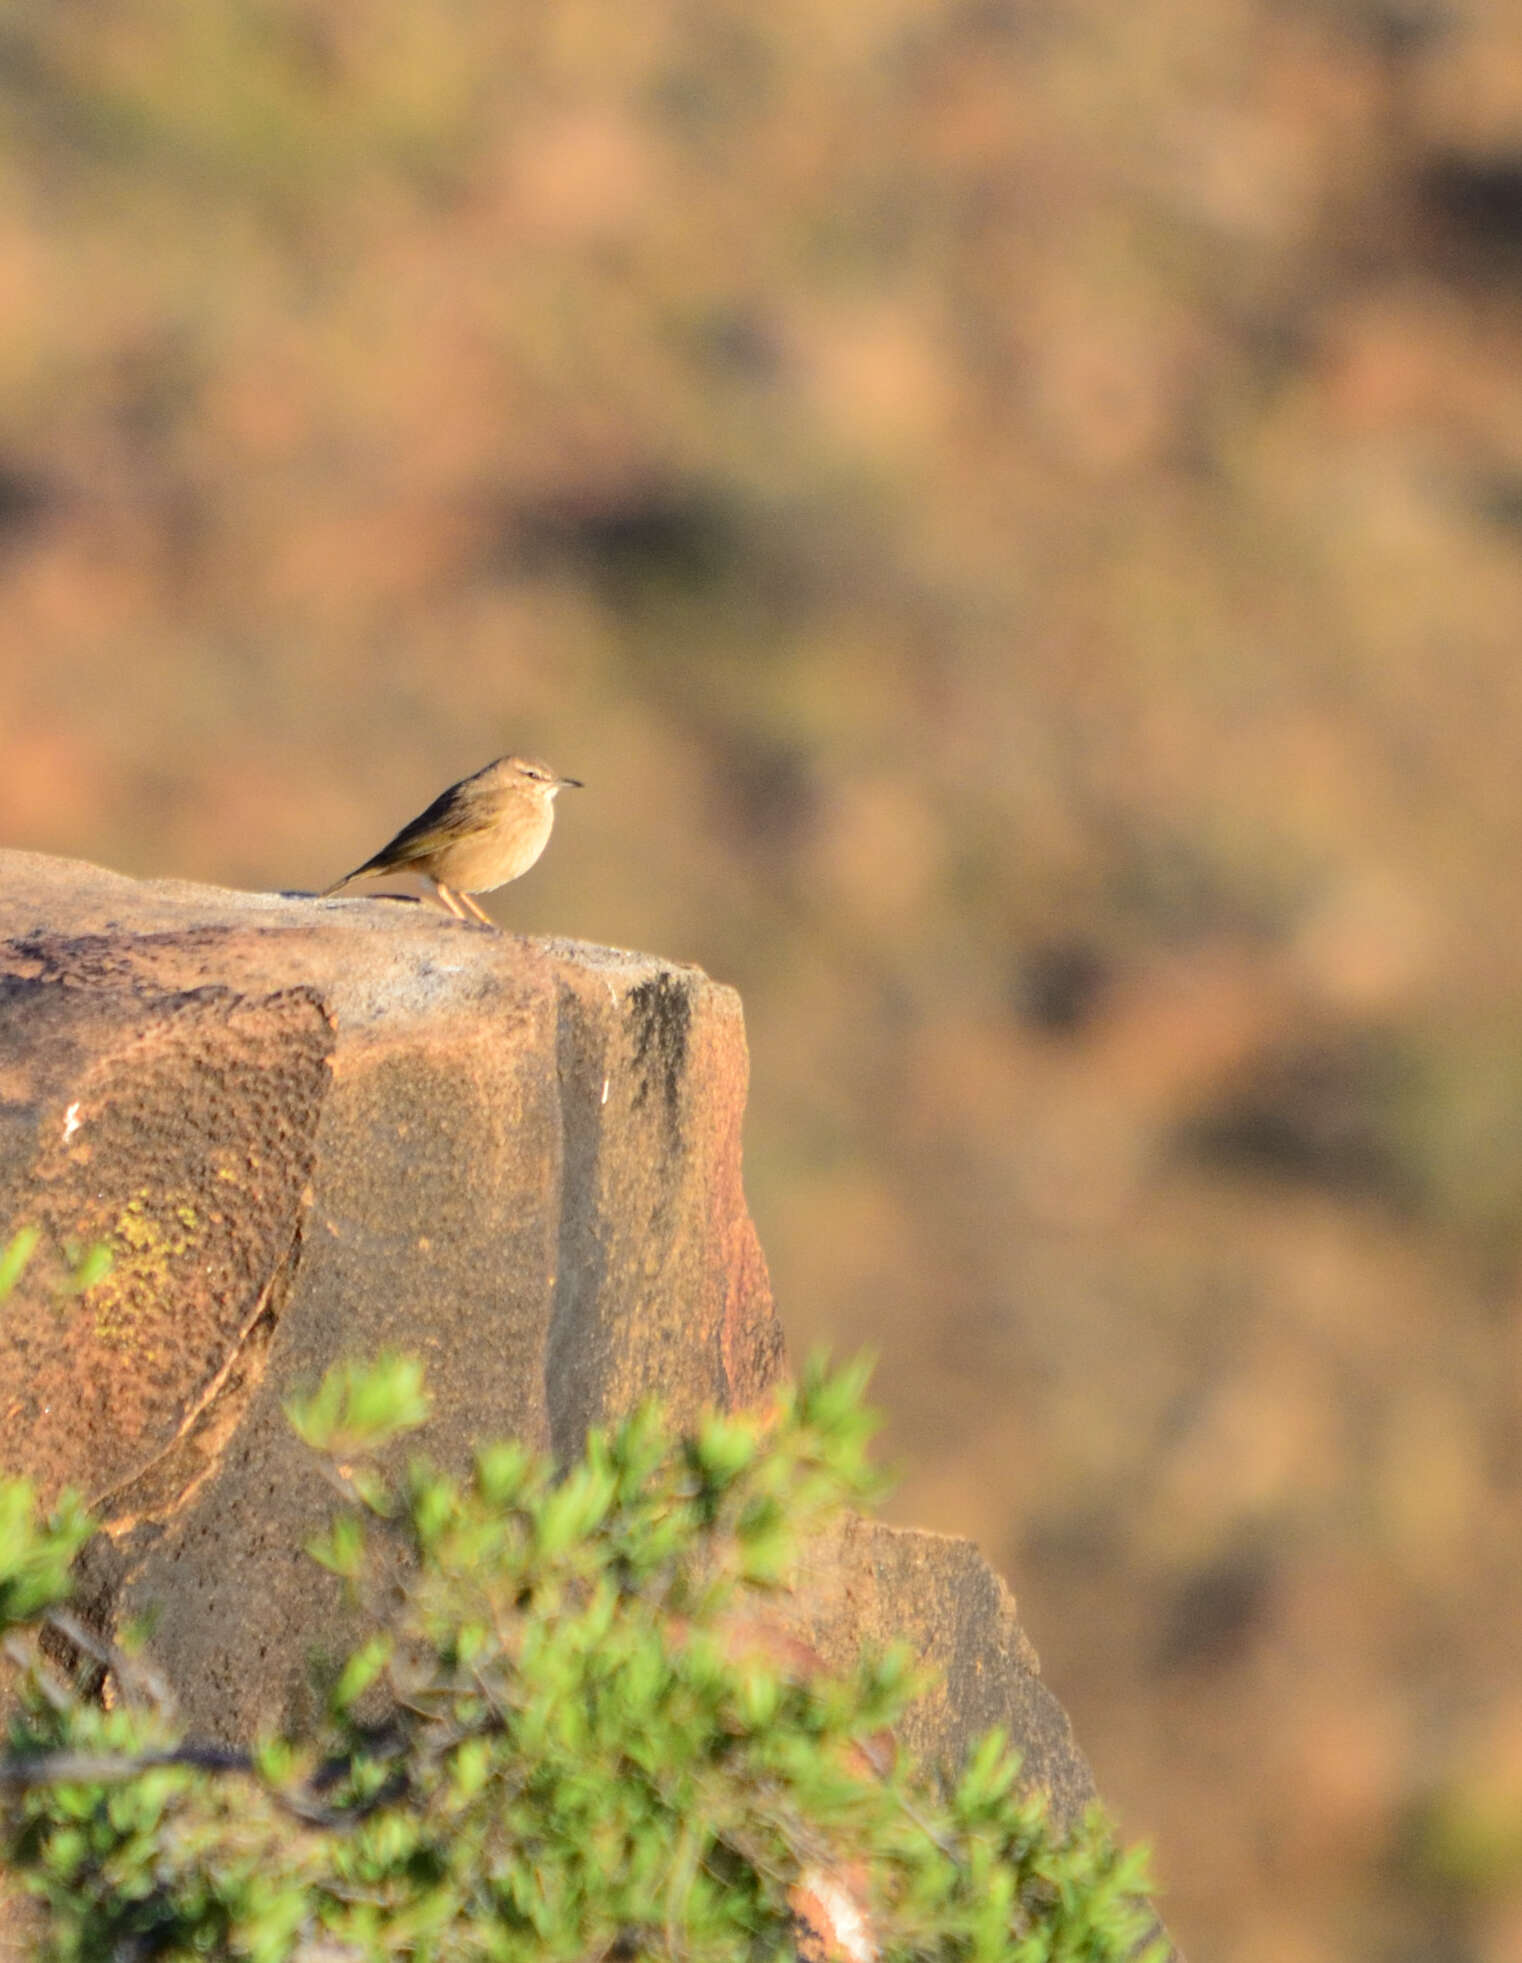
554,1747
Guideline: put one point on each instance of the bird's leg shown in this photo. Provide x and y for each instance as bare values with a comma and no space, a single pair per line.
461,905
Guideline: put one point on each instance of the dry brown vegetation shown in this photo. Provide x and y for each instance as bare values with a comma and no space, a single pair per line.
1015,509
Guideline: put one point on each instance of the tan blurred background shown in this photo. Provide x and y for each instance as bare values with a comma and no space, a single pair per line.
1014,507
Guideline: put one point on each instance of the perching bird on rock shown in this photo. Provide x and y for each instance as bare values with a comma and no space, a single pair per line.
477,835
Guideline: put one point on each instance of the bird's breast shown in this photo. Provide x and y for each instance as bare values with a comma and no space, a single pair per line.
507,849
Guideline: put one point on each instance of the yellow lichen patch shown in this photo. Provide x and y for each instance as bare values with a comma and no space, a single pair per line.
149,1237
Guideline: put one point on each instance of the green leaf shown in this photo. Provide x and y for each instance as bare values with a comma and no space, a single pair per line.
15,1255
37,1555
92,1266
341,1547
361,1407
360,1671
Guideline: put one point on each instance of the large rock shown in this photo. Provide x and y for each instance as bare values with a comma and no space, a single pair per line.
316,1129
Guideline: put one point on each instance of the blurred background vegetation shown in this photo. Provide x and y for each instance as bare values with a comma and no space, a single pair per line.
1014,507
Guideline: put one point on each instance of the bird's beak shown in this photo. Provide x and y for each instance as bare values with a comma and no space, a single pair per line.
569,784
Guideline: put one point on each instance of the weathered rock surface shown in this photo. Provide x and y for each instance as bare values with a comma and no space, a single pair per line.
874,1584
316,1129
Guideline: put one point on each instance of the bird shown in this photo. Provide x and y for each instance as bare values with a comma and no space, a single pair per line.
480,833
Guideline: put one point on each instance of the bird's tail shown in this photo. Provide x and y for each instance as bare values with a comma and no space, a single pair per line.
328,891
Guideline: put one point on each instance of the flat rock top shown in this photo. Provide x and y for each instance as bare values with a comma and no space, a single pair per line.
353,943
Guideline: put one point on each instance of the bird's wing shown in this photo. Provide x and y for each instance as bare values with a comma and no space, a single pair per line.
448,817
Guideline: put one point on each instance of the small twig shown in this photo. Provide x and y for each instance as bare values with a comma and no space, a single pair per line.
906,1806
137,1679
109,1769
22,1651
